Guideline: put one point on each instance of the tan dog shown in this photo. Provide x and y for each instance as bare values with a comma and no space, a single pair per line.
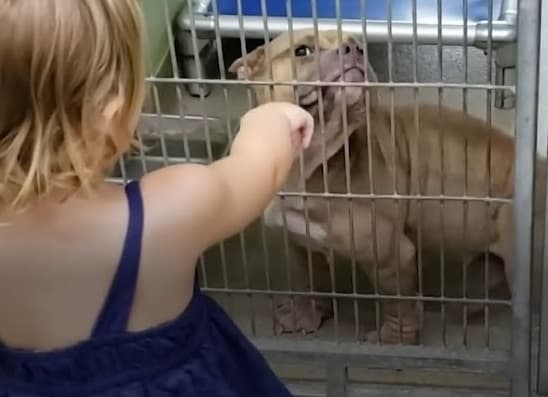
450,154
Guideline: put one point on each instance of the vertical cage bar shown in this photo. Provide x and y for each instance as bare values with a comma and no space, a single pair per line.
489,115
347,160
204,114
442,175
465,207
287,254
178,88
372,187
287,257
394,159
149,96
243,47
366,95
245,268
203,270
228,126
543,82
222,71
348,173
291,32
123,170
159,113
268,272
224,271
542,370
158,110
242,239
465,54
526,126
302,180
156,95
268,53
509,9
144,166
420,287
198,65
325,169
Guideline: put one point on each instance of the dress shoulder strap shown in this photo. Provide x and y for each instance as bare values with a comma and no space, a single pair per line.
114,315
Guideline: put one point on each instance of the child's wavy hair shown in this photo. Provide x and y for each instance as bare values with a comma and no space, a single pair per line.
71,89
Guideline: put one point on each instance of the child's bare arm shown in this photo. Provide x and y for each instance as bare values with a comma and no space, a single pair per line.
221,199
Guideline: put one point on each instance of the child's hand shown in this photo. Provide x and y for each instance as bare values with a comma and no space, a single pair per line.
288,118
301,124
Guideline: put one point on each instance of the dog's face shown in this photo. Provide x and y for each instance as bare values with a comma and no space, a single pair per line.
306,57
325,58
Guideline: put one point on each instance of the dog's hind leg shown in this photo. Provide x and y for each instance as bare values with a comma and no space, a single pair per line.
503,246
306,313
485,278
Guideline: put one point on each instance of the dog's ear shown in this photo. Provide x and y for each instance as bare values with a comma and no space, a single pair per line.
250,65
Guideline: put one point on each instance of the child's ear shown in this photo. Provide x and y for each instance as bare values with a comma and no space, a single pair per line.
119,129
249,66
112,110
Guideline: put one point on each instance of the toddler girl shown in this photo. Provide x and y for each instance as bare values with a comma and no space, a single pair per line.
97,282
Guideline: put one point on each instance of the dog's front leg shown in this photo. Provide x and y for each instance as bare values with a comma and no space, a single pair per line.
302,313
397,276
389,259
306,313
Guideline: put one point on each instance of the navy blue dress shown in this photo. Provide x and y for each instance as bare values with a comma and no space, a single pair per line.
199,354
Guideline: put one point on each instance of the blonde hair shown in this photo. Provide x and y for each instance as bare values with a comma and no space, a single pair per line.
68,70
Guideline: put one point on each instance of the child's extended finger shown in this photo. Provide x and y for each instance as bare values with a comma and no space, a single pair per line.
307,130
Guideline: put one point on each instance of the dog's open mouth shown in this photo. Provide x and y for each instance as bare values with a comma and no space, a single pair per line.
310,97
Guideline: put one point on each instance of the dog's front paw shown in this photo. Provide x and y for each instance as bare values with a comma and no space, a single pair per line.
302,314
317,232
394,332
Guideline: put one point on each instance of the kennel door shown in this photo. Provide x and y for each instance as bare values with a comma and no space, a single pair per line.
542,147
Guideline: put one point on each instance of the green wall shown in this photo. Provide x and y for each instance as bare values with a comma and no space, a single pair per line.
158,45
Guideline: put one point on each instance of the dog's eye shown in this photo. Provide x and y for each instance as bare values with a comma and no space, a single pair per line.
303,51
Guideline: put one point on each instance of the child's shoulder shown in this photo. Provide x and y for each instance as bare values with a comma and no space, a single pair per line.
181,183
187,198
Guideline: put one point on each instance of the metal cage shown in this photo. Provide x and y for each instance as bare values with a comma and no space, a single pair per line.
457,53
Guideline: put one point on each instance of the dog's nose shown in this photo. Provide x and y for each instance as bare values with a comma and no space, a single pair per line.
351,49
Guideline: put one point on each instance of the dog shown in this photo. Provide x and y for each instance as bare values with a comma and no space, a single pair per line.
361,148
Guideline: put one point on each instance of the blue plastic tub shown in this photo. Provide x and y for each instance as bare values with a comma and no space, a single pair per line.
427,10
